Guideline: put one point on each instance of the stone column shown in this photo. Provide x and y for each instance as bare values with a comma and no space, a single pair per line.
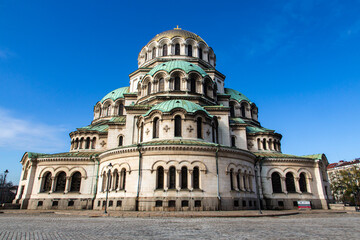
283,184
166,180
52,185
195,51
242,187
178,179
297,184
190,180
250,183
182,49
67,185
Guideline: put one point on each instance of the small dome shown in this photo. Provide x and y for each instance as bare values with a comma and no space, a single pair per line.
178,64
177,32
115,94
236,95
168,106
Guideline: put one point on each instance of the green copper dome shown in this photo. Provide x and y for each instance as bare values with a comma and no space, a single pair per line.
115,94
236,95
178,64
168,106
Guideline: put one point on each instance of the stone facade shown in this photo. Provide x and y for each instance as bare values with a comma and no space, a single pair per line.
175,139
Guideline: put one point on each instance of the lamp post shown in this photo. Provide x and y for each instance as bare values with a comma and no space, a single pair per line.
109,167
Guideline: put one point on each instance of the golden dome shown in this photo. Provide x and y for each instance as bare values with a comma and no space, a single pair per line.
177,32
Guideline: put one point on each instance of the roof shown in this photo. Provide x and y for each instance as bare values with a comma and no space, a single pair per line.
168,106
115,94
276,155
236,120
177,64
255,129
177,32
65,154
344,163
99,127
236,95
70,154
314,156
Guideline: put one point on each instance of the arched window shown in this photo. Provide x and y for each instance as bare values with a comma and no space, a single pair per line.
87,143
161,85
177,49
192,85
270,144
196,178
232,110
231,179
259,143
243,109
103,185
160,178
81,143
108,110
216,126
109,182
244,181
145,56
141,132
189,48
264,144
302,183
75,182
121,141
200,53
165,49
60,182
177,83
172,178
177,126
156,128
206,86
149,88
116,178
123,179
275,145
154,53
99,112
93,143
199,127
121,109
238,180
290,183
233,141
184,178
76,143
276,182
47,182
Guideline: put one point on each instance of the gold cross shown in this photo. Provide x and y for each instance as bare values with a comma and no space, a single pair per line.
177,27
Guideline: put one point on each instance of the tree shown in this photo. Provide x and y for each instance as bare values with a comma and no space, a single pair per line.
345,185
5,194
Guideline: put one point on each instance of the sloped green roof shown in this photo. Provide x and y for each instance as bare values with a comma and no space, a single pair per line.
236,120
119,119
100,127
236,95
178,64
255,129
70,154
276,155
314,156
115,94
167,106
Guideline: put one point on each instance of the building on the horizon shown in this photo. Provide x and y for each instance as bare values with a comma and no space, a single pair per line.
175,139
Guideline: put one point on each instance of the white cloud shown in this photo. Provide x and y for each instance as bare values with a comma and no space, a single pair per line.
23,134
5,54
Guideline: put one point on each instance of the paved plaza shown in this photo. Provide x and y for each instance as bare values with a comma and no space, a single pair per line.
49,225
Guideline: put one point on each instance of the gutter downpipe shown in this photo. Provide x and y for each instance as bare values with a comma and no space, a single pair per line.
139,178
96,163
258,161
217,175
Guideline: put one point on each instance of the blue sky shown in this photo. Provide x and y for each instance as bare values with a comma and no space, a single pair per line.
297,60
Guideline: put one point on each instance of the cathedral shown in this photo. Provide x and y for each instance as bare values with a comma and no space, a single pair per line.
176,139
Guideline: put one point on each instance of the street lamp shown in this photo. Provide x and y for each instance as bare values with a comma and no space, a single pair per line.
5,173
109,167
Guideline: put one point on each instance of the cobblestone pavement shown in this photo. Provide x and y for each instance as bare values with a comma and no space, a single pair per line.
302,226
